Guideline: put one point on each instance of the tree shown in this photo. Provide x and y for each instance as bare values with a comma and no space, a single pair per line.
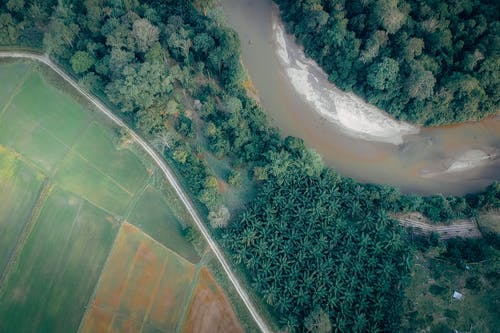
203,43
62,31
15,5
8,30
234,178
420,83
413,48
140,87
145,34
383,74
219,217
388,15
372,46
81,61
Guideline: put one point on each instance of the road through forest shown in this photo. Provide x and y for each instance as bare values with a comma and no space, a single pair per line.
164,168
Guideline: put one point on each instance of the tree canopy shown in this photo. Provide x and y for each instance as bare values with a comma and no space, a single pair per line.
424,61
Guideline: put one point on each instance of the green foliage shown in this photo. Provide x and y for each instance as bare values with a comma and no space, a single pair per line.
191,234
81,61
8,30
459,250
316,245
185,126
140,87
319,241
435,62
146,35
235,178
473,283
382,75
437,290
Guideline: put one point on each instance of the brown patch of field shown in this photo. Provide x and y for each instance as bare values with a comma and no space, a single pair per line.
123,324
97,320
147,270
210,310
172,292
113,281
143,284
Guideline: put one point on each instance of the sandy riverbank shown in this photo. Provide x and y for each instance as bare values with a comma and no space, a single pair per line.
351,114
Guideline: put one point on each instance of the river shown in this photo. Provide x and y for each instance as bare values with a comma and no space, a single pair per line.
354,138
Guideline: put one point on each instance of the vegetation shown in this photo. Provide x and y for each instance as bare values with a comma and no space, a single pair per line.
424,61
319,241
441,268
316,243
64,189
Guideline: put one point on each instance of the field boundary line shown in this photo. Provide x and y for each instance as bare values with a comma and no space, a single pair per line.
169,250
127,278
115,215
160,162
36,210
153,294
189,296
135,199
96,287
29,163
58,268
69,148
16,91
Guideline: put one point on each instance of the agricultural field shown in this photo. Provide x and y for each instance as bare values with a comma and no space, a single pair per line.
90,239
209,310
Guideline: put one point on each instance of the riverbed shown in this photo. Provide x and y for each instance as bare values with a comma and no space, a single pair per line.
353,137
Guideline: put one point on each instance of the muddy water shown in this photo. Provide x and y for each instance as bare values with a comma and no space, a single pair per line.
356,139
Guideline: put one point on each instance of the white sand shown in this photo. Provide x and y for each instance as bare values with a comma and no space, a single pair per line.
468,160
350,113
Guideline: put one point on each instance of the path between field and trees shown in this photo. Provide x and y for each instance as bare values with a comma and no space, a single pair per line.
169,175
464,228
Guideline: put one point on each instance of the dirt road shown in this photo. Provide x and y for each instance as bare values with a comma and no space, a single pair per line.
459,228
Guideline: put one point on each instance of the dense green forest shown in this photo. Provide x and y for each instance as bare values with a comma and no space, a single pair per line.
313,243
424,61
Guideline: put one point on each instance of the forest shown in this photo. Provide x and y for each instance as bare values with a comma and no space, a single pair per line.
315,243
423,61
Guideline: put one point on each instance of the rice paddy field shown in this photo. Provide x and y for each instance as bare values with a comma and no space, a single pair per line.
91,240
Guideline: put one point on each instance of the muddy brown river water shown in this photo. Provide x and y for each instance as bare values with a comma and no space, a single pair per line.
354,138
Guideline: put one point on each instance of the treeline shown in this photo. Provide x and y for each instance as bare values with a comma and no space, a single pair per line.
439,208
176,76
424,61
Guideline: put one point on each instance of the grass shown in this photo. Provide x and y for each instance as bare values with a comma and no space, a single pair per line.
209,309
143,284
489,221
239,307
429,305
123,166
156,217
16,72
79,176
19,187
66,249
60,241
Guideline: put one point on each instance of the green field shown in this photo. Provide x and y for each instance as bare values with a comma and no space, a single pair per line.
20,186
65,190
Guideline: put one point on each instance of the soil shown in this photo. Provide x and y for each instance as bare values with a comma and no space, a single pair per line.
210,310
